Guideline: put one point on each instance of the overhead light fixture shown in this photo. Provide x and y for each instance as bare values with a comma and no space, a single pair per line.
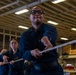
64,38
21,11
23,27
57,1
52,22
73,29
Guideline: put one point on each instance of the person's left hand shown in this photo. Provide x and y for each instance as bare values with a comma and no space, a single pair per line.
46,42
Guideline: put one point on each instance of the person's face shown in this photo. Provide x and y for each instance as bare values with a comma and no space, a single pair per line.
14,45
36,15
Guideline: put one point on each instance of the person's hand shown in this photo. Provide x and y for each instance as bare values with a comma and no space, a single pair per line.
12,62
36,53
1,63
5,58
46,42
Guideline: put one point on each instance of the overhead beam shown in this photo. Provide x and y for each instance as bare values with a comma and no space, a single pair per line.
23,7
17,1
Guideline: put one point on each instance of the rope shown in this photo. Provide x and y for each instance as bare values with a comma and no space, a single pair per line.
59,46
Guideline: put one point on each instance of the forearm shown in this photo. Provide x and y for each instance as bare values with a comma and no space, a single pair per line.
27,55
51,33
1,57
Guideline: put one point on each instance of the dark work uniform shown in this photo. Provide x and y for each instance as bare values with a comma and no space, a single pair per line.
3,68
47,64
28,68
18,67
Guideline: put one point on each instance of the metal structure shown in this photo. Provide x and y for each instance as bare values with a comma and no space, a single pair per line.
63,13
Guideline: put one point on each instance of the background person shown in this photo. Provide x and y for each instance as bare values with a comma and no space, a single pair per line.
3,65
16,68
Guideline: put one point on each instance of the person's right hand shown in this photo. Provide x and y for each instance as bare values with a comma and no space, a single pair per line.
1,63
12,62
36,53
5,58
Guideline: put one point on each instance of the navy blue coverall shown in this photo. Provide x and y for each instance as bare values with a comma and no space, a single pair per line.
3,68
47,64
18,67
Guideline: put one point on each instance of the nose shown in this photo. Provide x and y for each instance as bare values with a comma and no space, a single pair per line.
37,13
13,44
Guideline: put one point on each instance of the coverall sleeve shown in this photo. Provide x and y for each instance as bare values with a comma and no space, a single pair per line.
51,33
25,47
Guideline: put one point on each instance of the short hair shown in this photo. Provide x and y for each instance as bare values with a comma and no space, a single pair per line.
14,39
35,6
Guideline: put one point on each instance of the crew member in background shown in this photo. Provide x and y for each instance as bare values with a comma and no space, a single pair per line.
15,68
3,65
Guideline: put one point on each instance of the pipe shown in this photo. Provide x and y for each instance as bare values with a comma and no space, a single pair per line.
23,7
9,5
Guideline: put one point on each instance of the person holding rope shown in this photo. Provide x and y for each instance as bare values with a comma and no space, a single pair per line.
15,68
39,37
3,65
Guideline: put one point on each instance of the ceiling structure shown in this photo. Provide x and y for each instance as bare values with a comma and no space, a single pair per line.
63,13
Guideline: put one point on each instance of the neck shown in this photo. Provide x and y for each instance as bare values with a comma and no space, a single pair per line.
35,26
14,51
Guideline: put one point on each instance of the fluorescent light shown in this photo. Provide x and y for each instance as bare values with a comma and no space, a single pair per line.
64,38
73,29
21,11
23,27
54,23
57,1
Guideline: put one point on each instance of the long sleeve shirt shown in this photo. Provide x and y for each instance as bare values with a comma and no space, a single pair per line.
31,40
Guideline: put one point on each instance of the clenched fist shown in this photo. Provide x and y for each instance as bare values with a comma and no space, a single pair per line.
36,53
